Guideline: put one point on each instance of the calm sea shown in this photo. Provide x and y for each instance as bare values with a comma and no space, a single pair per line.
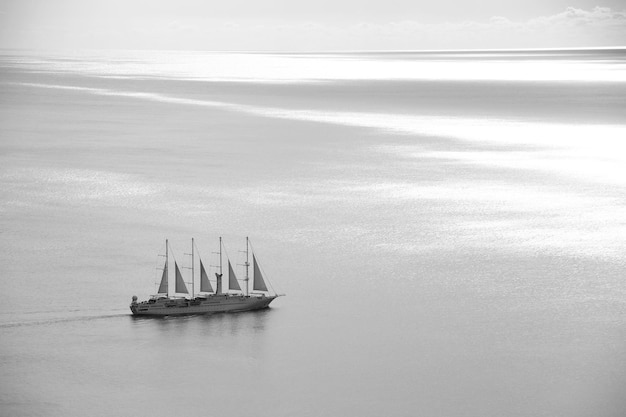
449,228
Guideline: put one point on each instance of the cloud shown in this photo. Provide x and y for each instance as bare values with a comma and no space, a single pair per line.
599,16
500,20
571,17
573,27
178,26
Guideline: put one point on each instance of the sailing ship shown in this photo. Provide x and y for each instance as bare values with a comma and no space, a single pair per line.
208,300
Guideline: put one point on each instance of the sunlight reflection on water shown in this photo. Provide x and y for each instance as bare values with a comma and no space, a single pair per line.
435,262
280,68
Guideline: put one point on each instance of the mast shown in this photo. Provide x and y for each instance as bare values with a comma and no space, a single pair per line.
218,276
193,277
167,272
192,271
247,264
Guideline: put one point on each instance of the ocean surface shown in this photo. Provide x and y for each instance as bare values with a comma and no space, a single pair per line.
449,228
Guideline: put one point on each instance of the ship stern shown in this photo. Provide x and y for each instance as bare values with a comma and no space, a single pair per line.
133,305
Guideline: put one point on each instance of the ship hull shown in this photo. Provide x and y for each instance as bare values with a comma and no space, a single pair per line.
203,305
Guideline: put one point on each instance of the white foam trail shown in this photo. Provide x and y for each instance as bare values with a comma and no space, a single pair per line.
132,94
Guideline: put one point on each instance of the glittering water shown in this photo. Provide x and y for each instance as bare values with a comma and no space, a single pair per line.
449,228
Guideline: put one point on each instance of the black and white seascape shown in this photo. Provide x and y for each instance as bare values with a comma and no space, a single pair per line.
439,192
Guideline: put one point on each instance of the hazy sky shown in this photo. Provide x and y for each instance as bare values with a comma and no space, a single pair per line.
310,25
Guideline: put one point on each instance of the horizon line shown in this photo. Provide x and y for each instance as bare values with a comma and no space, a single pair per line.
343,51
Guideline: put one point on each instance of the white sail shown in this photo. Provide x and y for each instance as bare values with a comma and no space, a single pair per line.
259,282
163,285
205,285
232,279
180,284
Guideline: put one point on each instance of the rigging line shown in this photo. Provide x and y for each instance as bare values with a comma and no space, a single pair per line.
199,254
175,263
157,279
200,259
156,273
192,262
265,278
225,251
172,254
231,265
